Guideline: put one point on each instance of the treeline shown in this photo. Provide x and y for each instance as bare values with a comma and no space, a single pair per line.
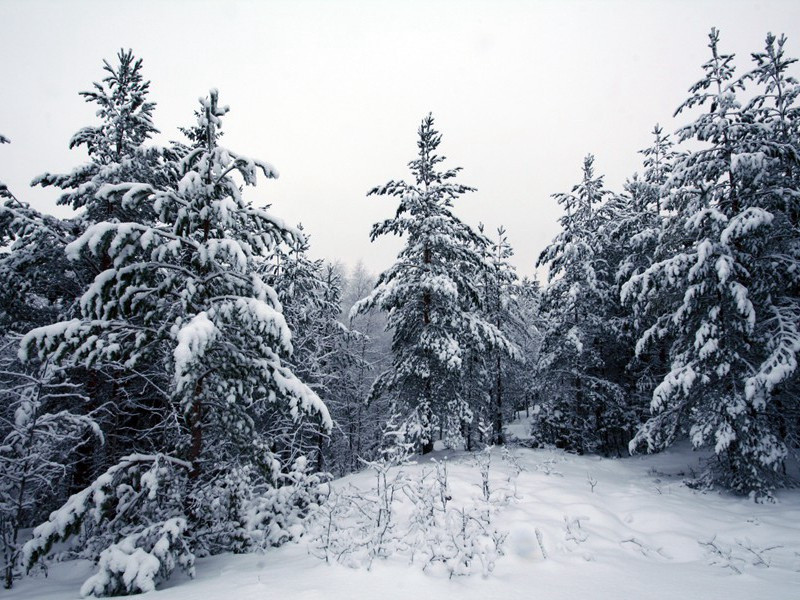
177,373
672,309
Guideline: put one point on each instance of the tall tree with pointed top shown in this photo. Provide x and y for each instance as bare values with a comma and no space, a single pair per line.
724,289
581,400
431,294
184,292
115,145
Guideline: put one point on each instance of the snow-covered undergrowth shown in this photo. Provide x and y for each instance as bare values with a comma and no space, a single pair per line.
609,528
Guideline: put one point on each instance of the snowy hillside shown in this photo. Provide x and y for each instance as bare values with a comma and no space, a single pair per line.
638,528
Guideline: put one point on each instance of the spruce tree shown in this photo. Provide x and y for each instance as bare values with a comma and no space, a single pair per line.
581,401
717,291
431,295
184,292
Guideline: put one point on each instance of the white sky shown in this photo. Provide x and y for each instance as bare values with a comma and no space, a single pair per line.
331,93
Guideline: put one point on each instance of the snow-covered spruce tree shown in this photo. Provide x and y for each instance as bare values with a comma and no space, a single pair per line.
581,404
725,289
184,291
502,309
115,147
432,295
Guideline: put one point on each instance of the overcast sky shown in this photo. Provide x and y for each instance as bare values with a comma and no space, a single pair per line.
332,92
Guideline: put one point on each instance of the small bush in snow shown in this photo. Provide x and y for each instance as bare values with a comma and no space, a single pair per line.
276,514
355,527
140,561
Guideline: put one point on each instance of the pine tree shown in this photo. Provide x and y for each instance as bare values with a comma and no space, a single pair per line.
115,146
117,154
772,137
581,402
627,239
713,292
431,294
184,292
502,309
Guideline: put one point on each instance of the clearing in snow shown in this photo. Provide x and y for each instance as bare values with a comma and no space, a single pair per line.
609,527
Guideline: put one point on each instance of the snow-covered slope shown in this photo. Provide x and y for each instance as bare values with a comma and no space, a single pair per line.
643,533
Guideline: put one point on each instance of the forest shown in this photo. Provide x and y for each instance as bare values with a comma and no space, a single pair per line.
179,378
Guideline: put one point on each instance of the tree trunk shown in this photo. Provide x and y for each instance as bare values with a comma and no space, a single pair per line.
196,432
498,411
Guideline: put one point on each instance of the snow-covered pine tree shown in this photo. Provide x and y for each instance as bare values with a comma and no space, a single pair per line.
117,153
712,289
502,309
580,402
633,220
771,123
627,239
184,291
115,146
431,295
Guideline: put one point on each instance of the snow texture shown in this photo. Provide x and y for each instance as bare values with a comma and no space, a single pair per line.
639,525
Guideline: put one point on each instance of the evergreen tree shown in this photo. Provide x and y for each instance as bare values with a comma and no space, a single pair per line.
184,292
712,289
627,239
581,402
772,136
117,154
115,146
431,295
502,309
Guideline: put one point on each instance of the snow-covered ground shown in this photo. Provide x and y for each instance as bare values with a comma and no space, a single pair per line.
642,533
